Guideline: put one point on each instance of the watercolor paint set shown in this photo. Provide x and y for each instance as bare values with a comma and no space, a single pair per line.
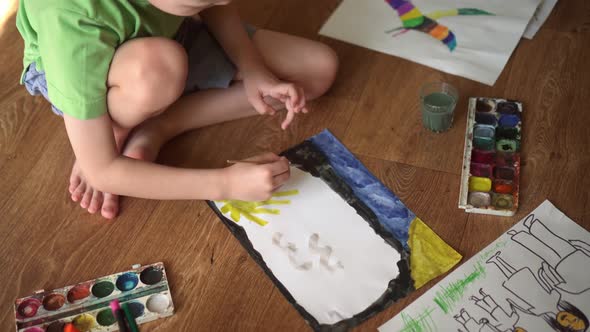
144,289
491,160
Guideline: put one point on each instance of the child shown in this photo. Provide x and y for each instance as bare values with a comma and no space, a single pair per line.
155,67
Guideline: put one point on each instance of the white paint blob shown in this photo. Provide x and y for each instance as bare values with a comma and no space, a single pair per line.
158,303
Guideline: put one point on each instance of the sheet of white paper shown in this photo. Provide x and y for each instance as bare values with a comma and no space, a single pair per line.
352,274
541,15
484,42
526,278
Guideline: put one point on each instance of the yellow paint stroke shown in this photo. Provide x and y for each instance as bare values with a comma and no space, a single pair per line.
414,13
286,193
443,13
249,210
430,256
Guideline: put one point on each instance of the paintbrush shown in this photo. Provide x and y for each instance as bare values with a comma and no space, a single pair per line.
118,313
257,163
129,316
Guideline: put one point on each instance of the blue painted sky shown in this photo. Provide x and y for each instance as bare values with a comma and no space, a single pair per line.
388,208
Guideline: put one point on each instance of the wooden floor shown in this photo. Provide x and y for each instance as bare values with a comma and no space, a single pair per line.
48,242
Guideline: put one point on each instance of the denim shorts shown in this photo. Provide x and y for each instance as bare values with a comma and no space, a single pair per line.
208,65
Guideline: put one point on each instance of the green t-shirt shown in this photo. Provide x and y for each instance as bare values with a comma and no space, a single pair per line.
73,42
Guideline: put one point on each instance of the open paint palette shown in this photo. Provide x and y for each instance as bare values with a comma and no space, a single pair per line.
86,305
491,161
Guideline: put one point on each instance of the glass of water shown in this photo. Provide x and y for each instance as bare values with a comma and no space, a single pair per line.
438,101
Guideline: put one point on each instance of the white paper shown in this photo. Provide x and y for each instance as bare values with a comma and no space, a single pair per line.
521,280
541,15
325,254
484,43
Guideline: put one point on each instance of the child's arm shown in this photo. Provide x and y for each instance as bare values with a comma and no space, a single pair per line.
106,170
225,24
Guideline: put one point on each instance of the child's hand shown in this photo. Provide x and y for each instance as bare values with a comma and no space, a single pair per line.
256,178
261,83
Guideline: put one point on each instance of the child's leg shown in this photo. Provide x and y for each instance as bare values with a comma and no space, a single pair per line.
307,63
146,76
137,93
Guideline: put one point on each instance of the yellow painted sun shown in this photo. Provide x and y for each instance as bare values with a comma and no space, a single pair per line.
250,210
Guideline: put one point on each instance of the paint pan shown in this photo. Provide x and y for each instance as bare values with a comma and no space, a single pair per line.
484,137
85,306
486,118
491,160
504,173
481,170
508,133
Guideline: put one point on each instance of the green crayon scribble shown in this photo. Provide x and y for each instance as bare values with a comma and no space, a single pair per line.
422,323
484,255
450,295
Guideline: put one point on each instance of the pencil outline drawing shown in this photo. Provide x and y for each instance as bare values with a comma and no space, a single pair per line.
561,259
535,299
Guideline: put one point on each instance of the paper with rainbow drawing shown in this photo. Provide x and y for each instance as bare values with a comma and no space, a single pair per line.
338,244
469,38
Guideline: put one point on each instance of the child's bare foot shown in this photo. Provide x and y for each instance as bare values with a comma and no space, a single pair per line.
89,198
144,143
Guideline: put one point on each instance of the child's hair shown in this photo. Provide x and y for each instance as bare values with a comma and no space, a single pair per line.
569,308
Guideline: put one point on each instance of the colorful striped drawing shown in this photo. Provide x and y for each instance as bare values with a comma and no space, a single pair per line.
413,19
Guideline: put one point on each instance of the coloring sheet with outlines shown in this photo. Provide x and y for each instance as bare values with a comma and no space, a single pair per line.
541,15
469,38
533,278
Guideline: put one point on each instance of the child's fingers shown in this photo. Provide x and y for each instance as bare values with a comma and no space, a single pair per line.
301,104
261,106
288,119
296,99
286,89
284,99
267,157
279,167
280,180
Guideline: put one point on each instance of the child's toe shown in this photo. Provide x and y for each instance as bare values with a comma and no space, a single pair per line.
110,206
85,202
74,183
75,178
77,195
96,202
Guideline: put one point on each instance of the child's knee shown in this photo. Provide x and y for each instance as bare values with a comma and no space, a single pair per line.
330,62
326,69
159,72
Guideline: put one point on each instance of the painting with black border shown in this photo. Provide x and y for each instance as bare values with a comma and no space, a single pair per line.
359,246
